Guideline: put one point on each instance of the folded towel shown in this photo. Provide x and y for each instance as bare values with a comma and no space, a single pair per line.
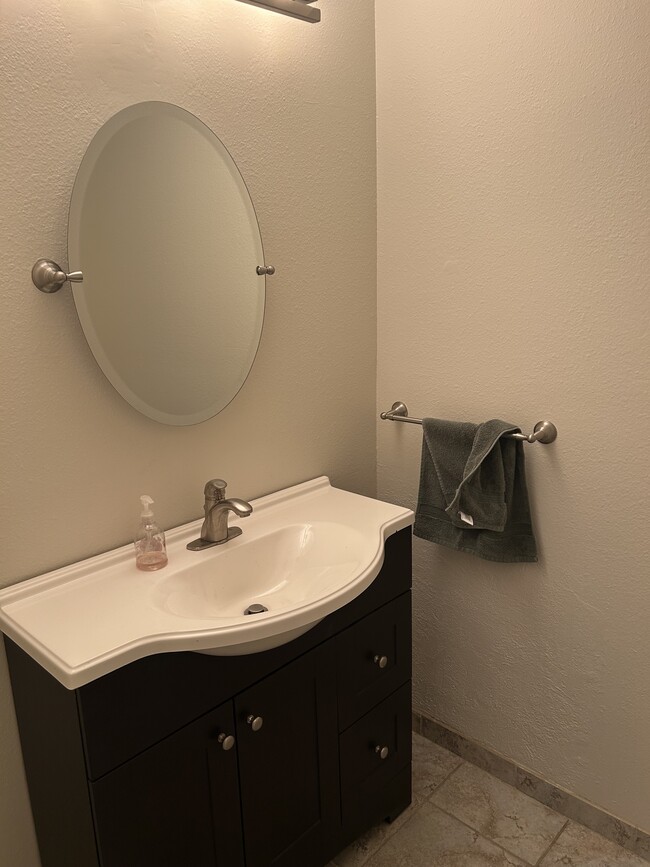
473,494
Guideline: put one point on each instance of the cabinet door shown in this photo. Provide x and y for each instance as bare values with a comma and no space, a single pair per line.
288,766
176,804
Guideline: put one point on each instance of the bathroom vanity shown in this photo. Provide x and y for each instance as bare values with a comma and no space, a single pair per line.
184,759
161,763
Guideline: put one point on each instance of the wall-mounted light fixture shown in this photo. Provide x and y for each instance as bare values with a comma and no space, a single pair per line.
295,8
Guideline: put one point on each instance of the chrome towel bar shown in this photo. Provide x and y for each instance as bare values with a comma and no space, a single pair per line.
543,432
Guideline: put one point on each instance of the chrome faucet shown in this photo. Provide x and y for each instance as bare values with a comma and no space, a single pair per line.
215,529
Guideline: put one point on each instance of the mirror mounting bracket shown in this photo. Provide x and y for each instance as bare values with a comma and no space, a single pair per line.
48,277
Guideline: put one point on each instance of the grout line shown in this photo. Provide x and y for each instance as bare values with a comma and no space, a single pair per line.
442,782
484,837
555,839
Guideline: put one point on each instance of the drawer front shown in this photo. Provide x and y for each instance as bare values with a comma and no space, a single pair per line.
373,753
373,659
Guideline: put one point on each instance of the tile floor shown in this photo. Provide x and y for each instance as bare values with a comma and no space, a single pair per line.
463,817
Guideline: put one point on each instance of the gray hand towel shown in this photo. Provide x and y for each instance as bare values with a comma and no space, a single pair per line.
473,494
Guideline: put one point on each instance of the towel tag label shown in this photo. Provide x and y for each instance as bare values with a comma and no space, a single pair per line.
467,518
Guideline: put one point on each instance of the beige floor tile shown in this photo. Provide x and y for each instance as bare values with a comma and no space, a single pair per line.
499,812
432,838
579,847
432,764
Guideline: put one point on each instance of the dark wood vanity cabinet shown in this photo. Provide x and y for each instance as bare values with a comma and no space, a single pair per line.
277,759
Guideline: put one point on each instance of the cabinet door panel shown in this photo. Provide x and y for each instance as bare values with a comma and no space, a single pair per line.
289,767
176,804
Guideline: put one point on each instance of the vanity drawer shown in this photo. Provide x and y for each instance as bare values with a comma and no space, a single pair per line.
373,659
365,775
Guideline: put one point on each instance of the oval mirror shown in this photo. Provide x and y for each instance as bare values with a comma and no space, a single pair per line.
163,227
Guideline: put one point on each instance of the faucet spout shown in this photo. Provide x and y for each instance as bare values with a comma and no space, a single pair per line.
239,507
215,529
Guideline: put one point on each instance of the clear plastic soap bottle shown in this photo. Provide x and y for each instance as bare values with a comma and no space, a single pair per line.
150,547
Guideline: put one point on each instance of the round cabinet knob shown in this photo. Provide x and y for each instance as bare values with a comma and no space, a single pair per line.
255,722
381,661
382,752
227,741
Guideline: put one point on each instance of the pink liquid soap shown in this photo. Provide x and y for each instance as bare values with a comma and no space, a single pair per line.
151,560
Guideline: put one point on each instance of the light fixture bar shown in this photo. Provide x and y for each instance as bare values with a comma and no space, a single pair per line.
295,8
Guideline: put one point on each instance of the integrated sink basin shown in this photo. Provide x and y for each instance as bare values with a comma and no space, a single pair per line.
283,570
304,552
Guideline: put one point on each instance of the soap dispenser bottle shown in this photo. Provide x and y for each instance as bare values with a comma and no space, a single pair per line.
150,547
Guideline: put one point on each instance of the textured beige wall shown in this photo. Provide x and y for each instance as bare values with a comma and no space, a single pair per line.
295,105
513,281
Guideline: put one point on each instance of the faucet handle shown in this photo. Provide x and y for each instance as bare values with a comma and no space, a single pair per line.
215,489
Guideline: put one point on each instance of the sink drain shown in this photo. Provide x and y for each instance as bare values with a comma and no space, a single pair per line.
256,608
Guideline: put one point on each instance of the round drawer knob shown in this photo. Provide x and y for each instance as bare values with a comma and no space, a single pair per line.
226,741
382,752
255,722
381,661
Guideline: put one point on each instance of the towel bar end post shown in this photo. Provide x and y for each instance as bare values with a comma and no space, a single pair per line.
543,432
397,409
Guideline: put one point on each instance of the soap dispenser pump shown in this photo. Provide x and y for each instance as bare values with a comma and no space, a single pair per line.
150,547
